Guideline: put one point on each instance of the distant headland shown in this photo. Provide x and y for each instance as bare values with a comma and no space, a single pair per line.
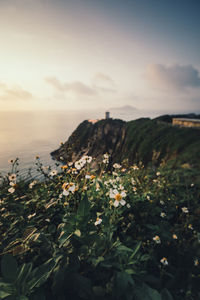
157,141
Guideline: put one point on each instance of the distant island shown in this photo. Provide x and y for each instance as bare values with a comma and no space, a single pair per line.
155,141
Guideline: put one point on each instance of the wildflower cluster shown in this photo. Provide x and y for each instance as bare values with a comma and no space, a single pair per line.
104,233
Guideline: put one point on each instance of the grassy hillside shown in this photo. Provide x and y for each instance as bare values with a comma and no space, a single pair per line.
152,142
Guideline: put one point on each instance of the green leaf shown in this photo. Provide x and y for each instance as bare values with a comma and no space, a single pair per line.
9,267
98,291
136,249
122,279
6,289
38,295
84,206
41,274
198,236
23,274
97,260
83,285
122,248
64,236
146,293
22,298
130,271
166,295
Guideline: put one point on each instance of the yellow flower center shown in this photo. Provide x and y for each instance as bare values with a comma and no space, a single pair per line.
64,186
64,167
118,197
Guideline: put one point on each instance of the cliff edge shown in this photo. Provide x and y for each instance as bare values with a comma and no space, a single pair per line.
143,140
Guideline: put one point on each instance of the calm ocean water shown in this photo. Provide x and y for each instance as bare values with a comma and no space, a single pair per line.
28,134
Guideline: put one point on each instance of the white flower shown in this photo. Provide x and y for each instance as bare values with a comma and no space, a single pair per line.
79,164
185,210
106,158
128,205
156,238
133,181
118,196
196,262
86,158
134,189
190,226
11,190
74,171
121,187
115,173
88,176
162,202
53,173
117,166
163,214
164,261
32,184
158,174
98,221
68,187
12,177
134,167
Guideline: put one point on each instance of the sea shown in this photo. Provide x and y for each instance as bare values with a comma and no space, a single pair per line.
27,134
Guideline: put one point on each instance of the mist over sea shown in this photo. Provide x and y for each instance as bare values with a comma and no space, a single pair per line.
28,134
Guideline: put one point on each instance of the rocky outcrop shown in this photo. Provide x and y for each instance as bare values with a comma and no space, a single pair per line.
93,139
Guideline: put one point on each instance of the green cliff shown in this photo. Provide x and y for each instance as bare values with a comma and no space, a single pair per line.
144,140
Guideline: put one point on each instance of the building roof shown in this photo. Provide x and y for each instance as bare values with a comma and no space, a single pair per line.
187,120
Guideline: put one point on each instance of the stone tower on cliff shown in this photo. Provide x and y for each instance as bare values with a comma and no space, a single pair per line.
107,115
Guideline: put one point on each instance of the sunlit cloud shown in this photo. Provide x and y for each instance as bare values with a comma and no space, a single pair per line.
103,83
174,77
101,78
13,93
76,87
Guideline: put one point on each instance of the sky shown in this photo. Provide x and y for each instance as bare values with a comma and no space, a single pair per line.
97,54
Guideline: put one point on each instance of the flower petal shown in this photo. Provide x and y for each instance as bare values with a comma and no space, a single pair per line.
116,203
122,202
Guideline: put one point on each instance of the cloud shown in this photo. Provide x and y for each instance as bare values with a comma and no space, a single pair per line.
102,78
75,87
176,76
103,83
14,93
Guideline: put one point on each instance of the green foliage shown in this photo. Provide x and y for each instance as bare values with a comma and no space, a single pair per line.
132,233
